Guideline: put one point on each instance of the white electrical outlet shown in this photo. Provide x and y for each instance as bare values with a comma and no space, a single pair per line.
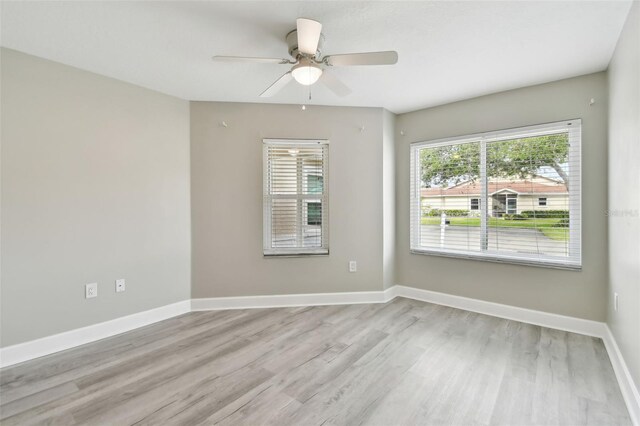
615,301
353,267
120,285
90,290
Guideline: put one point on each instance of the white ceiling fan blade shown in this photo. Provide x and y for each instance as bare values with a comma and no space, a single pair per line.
277,85
389,57
308,35
250,59
334,84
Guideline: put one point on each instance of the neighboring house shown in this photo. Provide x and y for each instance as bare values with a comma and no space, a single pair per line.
506,196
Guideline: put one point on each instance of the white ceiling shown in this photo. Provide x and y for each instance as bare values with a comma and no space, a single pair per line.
448,50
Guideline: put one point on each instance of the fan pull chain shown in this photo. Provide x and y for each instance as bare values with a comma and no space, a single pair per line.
304,107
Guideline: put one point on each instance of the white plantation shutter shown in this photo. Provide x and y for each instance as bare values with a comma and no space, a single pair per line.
296,201
508,171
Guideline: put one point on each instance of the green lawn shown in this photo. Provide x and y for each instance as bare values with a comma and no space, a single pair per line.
544,225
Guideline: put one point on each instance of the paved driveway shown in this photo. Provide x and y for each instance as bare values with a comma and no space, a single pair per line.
521,240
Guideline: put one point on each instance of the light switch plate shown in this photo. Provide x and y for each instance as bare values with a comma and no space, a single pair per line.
120,285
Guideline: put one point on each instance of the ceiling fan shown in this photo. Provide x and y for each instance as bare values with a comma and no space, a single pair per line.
305,47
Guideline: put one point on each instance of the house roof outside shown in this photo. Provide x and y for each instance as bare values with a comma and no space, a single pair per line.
536,185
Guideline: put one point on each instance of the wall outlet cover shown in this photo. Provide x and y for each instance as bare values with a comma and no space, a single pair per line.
120,285
91,290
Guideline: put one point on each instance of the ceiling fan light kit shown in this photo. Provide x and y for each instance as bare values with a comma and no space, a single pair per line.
305,46
306,72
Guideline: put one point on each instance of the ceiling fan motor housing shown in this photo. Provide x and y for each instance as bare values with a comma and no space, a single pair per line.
292,43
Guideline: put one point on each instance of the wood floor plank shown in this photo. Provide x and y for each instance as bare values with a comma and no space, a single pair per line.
349,397
515,405
404,402
401,362
523,357
34,400
462,368
585,369
551,398
69,365
307,385
195,403
261,409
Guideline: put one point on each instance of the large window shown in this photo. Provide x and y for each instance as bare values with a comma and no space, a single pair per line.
510,195
295,197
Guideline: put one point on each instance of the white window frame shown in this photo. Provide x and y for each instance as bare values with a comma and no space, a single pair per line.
268,198
574,260
471,204
540,201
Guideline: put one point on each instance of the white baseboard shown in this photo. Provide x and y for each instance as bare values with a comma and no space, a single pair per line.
58,342
21,352
544,319
628,388
291,300
36,348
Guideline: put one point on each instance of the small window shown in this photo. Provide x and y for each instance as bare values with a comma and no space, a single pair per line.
484,196
512,204
295,197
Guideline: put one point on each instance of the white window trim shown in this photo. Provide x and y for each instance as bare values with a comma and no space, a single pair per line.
268,251
575,196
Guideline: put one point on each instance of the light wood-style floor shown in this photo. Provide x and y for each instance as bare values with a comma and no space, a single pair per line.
404,362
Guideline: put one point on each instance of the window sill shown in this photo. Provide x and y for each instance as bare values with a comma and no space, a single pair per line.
287,255
500,259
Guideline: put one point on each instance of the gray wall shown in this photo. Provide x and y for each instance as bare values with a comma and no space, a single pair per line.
579,294
624,192
389,198
95,187
226,199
